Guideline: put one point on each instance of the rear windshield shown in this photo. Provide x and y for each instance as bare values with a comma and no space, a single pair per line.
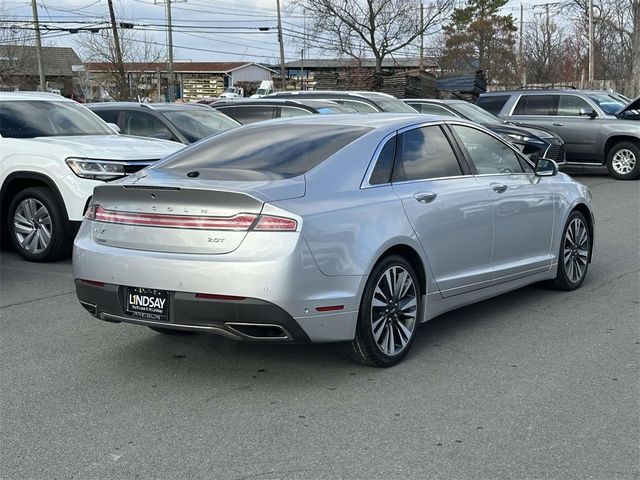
275,151
493,103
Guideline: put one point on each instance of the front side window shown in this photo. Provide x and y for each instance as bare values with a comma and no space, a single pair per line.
144,124
488,154
109,116
425,153
570,106
41,118
264,151
536,105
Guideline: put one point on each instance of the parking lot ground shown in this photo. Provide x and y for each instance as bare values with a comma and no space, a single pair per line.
535,384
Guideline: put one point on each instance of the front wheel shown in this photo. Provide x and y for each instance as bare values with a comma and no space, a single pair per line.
388,316
623,161
36,225
575,252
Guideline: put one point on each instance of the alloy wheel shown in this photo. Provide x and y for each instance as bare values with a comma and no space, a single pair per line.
624,161
32,225
576,250
394,310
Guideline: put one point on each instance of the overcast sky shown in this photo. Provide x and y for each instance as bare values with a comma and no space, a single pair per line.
205,30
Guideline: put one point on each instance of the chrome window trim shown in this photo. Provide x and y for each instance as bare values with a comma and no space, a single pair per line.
376,154
434,179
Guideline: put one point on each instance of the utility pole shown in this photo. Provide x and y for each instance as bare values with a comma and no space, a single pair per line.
547,36
302,69
421,35
280,40
523,67
171,85
119,65
34,9
591,56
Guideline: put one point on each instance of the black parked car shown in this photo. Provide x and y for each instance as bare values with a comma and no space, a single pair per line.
532,141
180,122
260,109
363,102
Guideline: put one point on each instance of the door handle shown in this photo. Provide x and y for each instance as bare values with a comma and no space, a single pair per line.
427,197
558,124
499,187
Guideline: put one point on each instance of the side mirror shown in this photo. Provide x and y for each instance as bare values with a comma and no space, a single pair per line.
588,112
115,127
546,167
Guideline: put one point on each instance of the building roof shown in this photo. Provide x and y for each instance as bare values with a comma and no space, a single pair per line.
366,63
22,60
178,67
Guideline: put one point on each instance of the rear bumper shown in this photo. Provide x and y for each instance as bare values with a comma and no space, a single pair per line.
279,282
246,319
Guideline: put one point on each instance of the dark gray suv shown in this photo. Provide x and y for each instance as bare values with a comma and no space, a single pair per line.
595,125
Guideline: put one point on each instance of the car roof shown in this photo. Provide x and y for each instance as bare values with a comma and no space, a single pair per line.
257,101
347,93
382,121
150,106
443,101
33,96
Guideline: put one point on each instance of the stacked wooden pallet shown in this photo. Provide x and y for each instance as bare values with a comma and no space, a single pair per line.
473,83
411,84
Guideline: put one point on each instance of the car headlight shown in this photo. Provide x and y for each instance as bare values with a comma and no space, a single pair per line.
524,139
96,169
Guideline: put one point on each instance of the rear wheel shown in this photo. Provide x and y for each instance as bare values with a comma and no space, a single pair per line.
36,226
575,251
623,161
388,316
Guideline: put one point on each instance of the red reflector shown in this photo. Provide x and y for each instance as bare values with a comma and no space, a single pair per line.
331,308
241,221
93,282
268,223
212,296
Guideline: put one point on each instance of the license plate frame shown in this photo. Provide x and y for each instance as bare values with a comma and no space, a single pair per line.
147,303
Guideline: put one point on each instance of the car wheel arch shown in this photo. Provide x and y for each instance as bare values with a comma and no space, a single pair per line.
586,212
412,256
17,181
613,140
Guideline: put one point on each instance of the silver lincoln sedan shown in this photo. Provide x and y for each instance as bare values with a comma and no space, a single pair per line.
353,229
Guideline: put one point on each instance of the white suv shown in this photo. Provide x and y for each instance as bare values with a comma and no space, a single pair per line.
53,151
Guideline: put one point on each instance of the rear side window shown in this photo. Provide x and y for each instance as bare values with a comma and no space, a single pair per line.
109,116
425,153
382,171
265,151
536,105
493,103
249,114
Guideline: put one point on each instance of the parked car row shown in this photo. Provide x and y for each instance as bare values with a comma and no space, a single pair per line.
598,128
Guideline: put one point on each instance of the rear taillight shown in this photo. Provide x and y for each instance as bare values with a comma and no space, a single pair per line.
239,222
268,223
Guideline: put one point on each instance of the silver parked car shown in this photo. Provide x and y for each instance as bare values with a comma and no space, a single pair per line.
351,228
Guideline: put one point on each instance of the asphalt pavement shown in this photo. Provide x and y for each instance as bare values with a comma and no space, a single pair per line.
535,384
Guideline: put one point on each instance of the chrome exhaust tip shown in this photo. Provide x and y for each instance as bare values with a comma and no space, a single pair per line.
259,331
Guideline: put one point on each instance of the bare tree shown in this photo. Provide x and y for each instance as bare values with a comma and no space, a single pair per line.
378,28
543,49
100,48
13,41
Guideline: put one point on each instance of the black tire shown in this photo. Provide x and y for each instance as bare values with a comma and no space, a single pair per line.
59,245
364,348
619,158
569,257
171,331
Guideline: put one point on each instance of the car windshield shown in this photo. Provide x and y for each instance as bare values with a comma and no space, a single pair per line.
266,151
198,123
41,118
475,113
610,104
